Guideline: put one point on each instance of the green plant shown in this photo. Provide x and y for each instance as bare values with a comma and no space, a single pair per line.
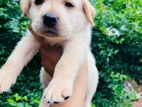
117,46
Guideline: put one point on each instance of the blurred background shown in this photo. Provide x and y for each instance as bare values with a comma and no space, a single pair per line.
116,44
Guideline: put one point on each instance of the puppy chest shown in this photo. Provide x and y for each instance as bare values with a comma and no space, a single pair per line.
50,56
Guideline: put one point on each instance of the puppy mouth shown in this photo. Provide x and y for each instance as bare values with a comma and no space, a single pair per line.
44,32
50,32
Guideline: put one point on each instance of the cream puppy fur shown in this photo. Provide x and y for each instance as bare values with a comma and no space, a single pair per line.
72,32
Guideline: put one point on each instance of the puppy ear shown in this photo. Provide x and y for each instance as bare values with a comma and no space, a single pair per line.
89,11
25,5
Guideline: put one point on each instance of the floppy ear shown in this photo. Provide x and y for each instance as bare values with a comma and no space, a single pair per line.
25,5
89,11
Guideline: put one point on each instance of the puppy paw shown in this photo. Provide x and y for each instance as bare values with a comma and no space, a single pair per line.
6,81
58,91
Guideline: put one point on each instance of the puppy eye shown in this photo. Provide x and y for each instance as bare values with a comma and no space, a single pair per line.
69,5
38,2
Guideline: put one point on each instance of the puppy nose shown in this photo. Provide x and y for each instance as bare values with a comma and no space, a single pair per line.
50,19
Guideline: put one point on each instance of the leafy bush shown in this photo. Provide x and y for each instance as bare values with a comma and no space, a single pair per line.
118,49
116,44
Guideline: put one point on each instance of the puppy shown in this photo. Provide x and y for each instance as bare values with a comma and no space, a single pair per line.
61,28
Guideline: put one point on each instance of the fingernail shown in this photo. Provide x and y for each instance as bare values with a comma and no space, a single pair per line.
67,97
56,102
48,102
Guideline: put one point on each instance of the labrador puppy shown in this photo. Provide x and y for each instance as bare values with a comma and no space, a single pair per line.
61,31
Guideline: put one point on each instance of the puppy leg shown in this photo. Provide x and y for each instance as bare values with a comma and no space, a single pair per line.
21,55
92,81
44,79
66,70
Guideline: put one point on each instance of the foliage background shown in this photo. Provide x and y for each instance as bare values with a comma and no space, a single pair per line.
116,44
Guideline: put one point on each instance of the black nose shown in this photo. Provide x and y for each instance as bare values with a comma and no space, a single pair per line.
50,20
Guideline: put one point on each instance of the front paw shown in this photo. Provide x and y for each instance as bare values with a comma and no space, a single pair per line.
6,81
58,91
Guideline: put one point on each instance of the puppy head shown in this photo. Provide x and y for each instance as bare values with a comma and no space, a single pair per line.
58,18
